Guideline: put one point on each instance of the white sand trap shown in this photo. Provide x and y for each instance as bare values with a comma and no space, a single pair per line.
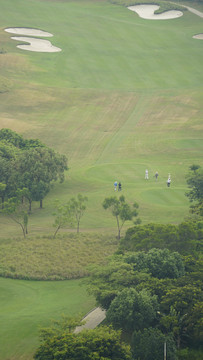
198,36
28,32
38,45
147,12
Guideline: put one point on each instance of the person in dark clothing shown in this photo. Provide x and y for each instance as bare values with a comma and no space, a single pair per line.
119,186
169,182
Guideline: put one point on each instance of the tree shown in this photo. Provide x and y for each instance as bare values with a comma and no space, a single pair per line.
134,270
18,141
11,137
132,310
78,208
159,263
183,237
59,327
63,216
121,210
2,191
182,298
195,183
149,345
17,210
38,168
102,343
27,163
8,156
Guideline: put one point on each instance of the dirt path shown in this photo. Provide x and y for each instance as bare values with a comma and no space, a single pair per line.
93,319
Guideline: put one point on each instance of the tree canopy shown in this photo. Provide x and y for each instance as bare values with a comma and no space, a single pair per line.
102,343
186,238
121,210
28,164
132,310
195,183
148,344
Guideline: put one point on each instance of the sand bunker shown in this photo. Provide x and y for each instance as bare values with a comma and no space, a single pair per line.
38,45
28,32
198,36
147,12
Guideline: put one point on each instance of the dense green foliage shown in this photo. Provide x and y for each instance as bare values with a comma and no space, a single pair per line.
195,184
102,343
135,270
28,164
173,283
186,238
148,344
132,310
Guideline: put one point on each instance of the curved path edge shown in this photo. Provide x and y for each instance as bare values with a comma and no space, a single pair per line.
92,319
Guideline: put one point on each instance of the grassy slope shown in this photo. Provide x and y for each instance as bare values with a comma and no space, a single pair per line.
27,305
123,95
63,258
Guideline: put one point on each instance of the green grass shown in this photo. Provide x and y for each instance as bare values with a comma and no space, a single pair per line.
124,94
25,306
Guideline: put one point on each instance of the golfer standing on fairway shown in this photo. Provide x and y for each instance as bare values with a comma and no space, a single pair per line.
146,174
115,185
169,180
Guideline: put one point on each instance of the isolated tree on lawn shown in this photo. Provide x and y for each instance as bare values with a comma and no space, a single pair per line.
78,208
64,216
121,210
195,183
17,210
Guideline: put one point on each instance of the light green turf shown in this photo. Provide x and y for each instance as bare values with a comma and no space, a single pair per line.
125,94
25,306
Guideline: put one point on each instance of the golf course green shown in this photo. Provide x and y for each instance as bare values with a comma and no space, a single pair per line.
123,95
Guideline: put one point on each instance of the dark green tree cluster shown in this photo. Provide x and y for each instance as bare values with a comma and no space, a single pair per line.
154,297
195,183
28,166
61,342
186,238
